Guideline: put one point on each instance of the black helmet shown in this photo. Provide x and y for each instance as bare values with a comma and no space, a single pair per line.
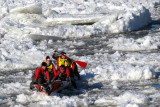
63,53
44,64
69,60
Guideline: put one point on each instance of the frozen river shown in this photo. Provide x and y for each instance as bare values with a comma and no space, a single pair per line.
119,39
90,92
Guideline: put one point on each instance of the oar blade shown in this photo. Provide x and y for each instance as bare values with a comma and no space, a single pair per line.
82,64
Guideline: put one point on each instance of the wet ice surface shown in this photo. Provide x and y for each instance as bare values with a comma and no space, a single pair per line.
95,95
123,69
94,89
24,23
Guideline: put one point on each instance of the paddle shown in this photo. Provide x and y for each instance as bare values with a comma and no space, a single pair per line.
80,63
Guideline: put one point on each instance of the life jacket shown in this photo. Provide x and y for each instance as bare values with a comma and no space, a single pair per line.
62,61
50,67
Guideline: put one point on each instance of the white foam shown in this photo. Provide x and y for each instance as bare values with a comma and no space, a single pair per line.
31,9
131,98
22,98
115,85
130,44
150,90
126,99
19,105
25,20
50,101
107,16
21,19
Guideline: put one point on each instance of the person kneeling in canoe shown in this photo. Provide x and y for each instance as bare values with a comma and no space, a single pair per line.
50,67
71,67
71,64
62,73
60,59
40,76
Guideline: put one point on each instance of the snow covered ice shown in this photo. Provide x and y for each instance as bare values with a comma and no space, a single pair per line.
122,63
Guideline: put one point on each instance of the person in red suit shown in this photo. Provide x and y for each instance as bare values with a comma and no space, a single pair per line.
60,59
62,73
50,67
71,67
40,76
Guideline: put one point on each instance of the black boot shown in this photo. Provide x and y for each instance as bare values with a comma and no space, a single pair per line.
79,77
48,91
31,86
74,84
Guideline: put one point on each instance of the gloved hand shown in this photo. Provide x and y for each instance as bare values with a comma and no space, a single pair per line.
60,75
54,51
49,81
52,80
35,82
67,79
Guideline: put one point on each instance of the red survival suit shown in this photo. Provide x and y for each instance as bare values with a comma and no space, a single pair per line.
62,75
41,75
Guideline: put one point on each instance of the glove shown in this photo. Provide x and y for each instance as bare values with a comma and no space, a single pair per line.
67,79
52,80
35,82
60,75
49,81
50,86
54,51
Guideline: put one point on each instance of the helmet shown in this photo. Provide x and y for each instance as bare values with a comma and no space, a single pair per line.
44,64
63,53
